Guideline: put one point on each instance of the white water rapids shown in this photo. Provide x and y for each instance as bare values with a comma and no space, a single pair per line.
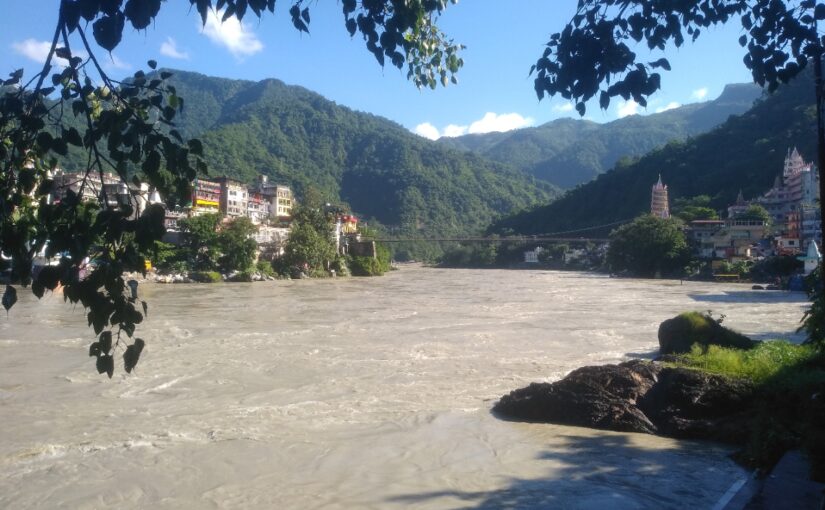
353,393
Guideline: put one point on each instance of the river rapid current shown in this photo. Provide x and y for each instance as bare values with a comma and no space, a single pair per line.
353,393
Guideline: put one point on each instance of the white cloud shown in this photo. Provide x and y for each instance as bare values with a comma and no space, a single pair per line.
699,94
427,130
454,130
235,36
563,108
39,50
670,106
33,49
504,122
170,48
489,123
626,108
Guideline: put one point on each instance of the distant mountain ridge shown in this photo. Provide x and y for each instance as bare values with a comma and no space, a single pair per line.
745,153
569,152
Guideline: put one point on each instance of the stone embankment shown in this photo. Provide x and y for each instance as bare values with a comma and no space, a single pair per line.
198,278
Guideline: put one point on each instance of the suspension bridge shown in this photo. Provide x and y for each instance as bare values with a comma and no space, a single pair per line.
567,236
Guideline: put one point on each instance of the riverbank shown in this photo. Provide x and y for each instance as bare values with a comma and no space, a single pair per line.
708,383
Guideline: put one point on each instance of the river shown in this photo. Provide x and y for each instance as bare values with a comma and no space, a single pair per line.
353,393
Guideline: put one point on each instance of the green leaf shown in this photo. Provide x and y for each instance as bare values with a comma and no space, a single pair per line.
9,297
108,30
105,342
105,364
44,140
72,136
196,147
132,355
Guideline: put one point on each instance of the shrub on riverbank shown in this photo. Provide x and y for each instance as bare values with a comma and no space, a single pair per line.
764,363
370,266
790,409
205,276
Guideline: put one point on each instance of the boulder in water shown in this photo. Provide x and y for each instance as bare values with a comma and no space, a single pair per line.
638,396
678,334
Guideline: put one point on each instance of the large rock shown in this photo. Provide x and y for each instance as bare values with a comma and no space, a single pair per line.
678,334
637,396
601,397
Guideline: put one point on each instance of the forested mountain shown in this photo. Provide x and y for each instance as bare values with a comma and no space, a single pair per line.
568,152
746,152
377,167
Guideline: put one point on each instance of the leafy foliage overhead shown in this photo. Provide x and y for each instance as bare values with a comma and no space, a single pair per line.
400,31
593,55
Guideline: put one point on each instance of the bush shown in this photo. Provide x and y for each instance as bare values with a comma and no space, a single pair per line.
265,268
789,411
241,277
765,361
365,266
368,266
205,276
813,322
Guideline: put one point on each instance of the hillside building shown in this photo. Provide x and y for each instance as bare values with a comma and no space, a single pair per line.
658,200
206,197
283,202
731,239
739,207
88,186
257,207
234,197
279,197
797,185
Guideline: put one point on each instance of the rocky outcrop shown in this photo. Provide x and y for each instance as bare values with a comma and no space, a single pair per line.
638,396
678,334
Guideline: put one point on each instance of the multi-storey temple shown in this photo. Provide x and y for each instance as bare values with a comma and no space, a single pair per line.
798,185
658,200
791,203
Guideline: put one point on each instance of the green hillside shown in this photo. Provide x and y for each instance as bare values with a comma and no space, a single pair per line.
746,152
377,167
569,152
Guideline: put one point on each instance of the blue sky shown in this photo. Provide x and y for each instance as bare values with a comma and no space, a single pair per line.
503,38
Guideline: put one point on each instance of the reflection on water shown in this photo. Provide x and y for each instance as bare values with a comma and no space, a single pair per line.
352,393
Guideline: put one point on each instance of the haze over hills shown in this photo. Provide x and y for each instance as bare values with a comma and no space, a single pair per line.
569,152
746,152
